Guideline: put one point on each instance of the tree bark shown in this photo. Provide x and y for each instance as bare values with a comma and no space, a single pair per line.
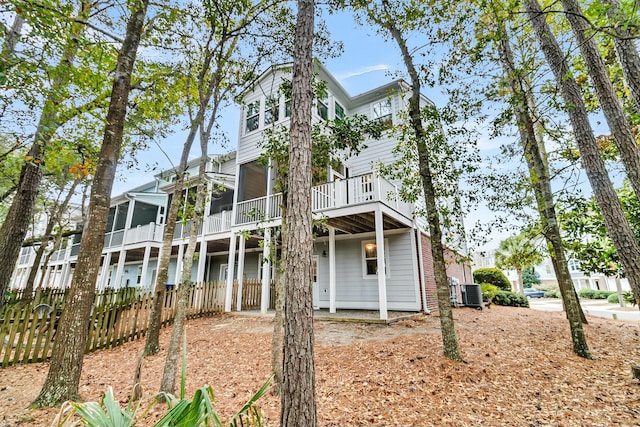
626,51
68,353
449,336
617,224
16,223
167,384
298,401
609,102
539,174
278,318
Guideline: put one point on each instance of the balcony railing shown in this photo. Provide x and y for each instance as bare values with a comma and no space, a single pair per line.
331,195
151,232
217,223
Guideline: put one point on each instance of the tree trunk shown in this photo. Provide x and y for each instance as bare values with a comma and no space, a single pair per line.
16,223
617,224
539,174
449,337
298,401
170,367
168,382
611,105
8,48
626,51
152,344
278,318
68,353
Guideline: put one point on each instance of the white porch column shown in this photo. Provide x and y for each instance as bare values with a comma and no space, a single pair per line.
241,251
416,270
332,269
178,276
382,277
423,285
266,271
45,282
104,278
64,274
230,271
145,267
202,260
119,271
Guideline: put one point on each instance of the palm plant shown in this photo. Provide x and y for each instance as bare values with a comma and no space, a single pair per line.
518,252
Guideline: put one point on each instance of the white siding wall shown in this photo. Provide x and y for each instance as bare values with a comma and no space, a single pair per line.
248,143
377,150
352,289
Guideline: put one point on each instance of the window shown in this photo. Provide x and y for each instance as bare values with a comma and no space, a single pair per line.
370,258
339,111
253,116
323,105
287,108
139,275
271,111
382,112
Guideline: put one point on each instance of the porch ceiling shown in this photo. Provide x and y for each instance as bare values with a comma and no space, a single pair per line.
363,222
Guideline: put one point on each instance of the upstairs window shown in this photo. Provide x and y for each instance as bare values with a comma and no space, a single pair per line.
253,116
382,112
339,111
271,111
323,105
287,108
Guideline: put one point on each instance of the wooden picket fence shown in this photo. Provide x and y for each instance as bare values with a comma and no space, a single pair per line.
27,331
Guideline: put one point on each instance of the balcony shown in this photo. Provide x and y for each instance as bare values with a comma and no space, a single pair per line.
331,195
151,232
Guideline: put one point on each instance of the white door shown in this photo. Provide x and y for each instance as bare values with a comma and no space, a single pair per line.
223,272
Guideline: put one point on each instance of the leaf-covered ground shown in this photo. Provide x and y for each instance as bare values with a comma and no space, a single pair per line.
519,370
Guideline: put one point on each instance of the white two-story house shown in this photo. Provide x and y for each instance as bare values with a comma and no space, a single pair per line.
370,252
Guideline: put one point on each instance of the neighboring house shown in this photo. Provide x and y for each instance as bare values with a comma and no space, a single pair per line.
365,229
581,279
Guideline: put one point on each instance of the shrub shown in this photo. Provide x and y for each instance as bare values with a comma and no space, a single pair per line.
602,294
511,299
586,293
489,291
493,276
594,294
552,293
628,297
613,298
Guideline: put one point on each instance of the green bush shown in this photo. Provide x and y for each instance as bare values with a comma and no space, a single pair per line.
489,291
602,294
628,297
594,294
586,293
613,298
510,299
493,276
552,293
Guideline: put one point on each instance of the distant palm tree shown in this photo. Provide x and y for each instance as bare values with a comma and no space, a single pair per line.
518,252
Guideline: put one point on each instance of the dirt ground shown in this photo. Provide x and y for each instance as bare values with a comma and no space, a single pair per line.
519,370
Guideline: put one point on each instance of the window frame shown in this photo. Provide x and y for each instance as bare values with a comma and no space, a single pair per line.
337,106
377,110
322,106
363,245
252,115
271,110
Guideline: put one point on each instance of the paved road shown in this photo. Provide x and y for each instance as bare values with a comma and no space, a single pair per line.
598,308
